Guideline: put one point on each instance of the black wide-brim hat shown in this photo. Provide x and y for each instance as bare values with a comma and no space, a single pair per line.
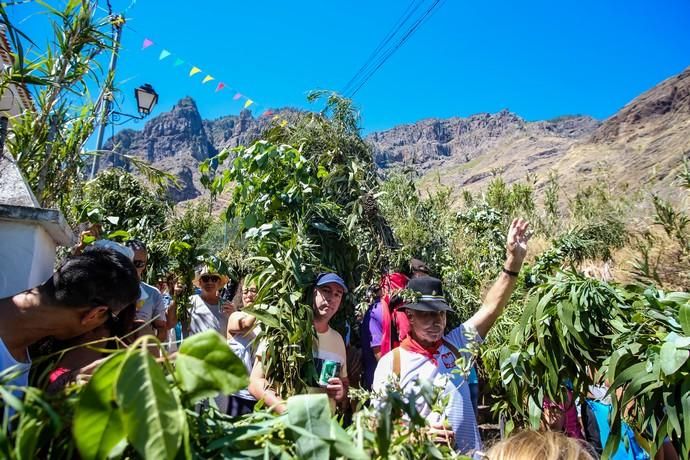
430,292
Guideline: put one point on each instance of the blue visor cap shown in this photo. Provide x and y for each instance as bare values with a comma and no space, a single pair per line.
331,278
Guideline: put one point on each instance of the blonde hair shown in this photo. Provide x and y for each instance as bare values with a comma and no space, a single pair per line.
546,445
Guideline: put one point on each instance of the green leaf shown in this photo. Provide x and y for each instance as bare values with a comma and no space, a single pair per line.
153,418
311,412
672,358
97,423
29,430
119,234
684,317
205,366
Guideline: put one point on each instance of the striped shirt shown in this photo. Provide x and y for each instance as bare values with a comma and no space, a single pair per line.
413,367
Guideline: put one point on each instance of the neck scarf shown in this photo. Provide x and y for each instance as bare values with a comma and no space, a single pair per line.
412,345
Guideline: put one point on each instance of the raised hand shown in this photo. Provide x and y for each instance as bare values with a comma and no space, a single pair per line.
516,243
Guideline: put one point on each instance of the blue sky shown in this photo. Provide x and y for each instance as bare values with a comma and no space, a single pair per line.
538,59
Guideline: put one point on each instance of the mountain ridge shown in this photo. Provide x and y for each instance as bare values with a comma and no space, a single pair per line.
644,142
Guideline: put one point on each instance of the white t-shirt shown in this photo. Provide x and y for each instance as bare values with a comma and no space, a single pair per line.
243,346
413,366
204,316
330,347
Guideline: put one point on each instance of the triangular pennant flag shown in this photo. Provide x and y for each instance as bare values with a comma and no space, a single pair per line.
236,96
178,62
220,86
248,103
267,113
164,54
146,43
207,79
194,71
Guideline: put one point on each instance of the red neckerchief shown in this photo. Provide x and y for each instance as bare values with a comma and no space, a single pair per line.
412,345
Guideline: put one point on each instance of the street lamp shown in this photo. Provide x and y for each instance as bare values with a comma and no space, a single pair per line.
146,98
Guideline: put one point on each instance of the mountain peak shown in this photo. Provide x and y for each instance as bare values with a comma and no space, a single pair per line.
656,107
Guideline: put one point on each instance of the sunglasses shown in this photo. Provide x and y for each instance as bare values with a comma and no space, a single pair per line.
211,278
139,263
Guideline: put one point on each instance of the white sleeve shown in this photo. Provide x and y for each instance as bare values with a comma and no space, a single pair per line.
383,371
462,335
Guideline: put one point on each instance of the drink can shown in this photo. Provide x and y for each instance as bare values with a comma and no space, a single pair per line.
329,369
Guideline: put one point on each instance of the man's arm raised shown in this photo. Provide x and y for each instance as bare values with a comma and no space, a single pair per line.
499,294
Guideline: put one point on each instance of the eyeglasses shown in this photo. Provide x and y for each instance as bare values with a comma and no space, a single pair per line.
249,290
139,263
211,278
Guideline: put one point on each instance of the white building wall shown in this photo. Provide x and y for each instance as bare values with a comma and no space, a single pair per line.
27,256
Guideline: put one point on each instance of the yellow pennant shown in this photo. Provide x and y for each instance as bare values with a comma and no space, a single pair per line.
207,79
248,103
194,71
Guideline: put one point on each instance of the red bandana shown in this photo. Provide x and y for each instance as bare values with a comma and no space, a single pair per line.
412,345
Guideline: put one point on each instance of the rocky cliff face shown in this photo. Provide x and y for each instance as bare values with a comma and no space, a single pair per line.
434,143
644,141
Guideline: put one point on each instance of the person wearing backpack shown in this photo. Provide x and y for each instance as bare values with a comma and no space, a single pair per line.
430,354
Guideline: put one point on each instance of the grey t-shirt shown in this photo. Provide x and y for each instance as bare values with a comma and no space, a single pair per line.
153,306
205,316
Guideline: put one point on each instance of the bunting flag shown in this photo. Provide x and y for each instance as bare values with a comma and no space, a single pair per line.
164,54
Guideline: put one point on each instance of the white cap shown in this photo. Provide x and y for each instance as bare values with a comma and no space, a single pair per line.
122,249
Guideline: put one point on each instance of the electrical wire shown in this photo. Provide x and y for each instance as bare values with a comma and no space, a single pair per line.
427,14
392,33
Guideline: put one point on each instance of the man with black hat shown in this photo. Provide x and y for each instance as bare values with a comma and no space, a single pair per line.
427,354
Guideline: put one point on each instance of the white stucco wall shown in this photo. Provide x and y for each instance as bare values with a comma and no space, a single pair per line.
27,256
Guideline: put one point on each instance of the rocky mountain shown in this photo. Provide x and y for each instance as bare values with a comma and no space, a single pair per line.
642,144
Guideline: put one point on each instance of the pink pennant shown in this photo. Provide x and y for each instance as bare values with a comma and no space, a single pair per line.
146,43
236,96
267,113
220,86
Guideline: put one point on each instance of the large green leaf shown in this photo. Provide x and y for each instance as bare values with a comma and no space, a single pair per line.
97,423
153,419
205,366
672,357
313,414
684,317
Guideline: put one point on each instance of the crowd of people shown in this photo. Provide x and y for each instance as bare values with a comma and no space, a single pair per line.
99,294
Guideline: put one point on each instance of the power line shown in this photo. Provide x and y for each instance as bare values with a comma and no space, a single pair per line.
392,33
427,14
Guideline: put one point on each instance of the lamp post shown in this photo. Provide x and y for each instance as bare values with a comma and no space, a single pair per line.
145,95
